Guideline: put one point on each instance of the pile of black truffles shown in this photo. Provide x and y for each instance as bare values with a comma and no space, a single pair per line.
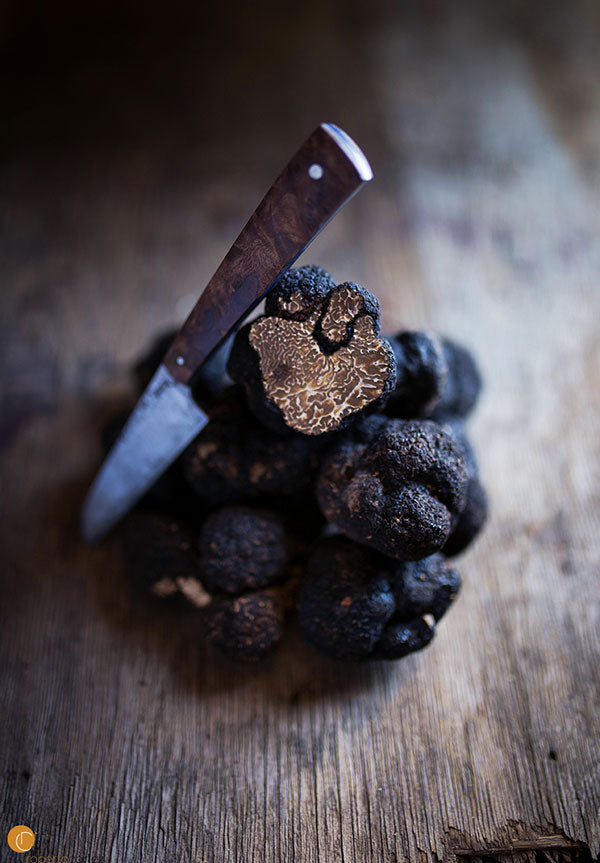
331,486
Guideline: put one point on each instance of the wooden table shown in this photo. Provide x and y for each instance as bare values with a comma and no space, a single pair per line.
131,155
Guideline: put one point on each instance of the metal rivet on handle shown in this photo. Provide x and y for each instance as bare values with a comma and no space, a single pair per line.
315,172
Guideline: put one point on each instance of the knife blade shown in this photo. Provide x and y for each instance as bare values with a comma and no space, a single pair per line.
328,169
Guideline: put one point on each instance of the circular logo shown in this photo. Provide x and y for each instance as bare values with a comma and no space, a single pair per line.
21,838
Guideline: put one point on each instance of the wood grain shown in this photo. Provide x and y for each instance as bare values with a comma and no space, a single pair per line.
123,738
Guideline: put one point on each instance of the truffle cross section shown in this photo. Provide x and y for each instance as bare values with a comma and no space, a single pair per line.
320,370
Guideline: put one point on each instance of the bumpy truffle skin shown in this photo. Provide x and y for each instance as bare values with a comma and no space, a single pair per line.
355,603
423,587
315,360
395,485
243,549
471,520
421,372
463,383
247,627
159,552
235,458
312,282
345,600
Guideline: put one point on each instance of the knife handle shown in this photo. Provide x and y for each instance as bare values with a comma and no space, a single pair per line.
323,175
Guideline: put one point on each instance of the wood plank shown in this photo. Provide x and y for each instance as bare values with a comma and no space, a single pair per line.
124,737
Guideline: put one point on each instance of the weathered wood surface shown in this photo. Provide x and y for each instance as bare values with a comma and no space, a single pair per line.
123,184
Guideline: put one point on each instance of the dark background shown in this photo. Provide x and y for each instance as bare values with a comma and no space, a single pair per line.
135,140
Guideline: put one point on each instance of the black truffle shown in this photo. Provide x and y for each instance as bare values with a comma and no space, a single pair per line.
355,603
235,458
421,372
471,520
404,637
401,486
463,383
345,600
423,592
436,377
469,523
314,361
422,587
247,627
395,485
243,549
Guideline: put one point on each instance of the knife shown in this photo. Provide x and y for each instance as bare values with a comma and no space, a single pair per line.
328,169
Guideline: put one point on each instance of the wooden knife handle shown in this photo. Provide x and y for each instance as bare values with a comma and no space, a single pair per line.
323,175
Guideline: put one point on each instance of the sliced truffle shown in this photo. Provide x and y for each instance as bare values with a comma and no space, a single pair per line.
345,600
235,458
247,627
395,485
314,361
421,373
354,603
159,552
243,549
